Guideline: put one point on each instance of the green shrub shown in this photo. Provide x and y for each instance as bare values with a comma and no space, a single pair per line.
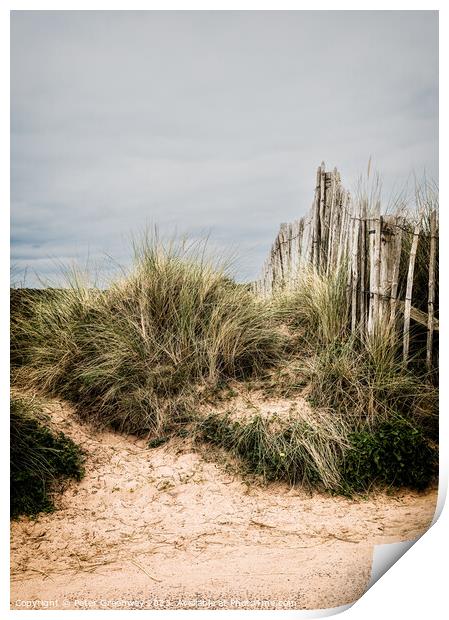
38,458
394,454
297,449
156,442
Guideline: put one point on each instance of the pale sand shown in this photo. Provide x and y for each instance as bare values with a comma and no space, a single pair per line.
165,528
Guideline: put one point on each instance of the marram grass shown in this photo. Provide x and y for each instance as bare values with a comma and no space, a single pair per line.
136,356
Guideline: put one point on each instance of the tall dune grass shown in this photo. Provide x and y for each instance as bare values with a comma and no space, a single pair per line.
361,377
317,304
137,355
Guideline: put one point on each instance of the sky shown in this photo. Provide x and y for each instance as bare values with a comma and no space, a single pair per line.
209,124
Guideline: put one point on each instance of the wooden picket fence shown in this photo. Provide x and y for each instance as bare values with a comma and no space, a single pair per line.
340,232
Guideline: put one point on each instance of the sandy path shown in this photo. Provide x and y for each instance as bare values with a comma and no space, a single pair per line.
164,528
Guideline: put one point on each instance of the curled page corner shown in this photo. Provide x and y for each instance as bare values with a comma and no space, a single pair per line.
384,556
441,499
319,613
331,611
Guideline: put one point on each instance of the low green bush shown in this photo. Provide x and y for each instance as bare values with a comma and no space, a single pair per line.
294,449
396,453
38,458
299,451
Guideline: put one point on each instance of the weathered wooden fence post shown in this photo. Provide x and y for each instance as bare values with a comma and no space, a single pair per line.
356,221
399,224
431,295
363,303
409,290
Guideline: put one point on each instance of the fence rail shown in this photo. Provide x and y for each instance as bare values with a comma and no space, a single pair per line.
339,232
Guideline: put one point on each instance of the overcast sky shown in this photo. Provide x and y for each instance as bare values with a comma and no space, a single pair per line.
205,123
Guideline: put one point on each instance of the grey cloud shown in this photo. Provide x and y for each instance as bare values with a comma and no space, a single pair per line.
206,122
